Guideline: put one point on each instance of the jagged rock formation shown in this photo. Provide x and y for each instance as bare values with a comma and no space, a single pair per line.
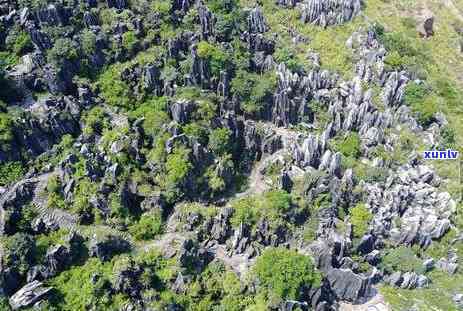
329,12
172,129
411,194
28,295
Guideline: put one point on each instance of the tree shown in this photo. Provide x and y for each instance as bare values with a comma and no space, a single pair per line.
115,91
20,251
88,40
219,141
63,49
218,59
285,273
19,43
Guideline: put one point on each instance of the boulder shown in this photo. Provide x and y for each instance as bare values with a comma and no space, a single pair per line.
29,295
425,25
348,286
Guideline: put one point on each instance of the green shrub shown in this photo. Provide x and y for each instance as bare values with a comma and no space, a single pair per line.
4,304
218,59
115,91
349,145
278,200
178,165
19,251
88,41
448,138
20,43
6,133
426,110
78,292
153,112
448,90
405,53
129,41
285,273
63,49
273,205
254,90
287,56
148,227
95,120
416,93
403,259
10,172
162,7
178,168
360,216
244,211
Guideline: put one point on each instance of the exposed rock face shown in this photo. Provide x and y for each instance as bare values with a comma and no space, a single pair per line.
181,111
46,122
329,12
347,285
293,93
256,21
108,246
407,280
207,22
449,264
28,295
57,259
410,194
193,256
11,203
126,280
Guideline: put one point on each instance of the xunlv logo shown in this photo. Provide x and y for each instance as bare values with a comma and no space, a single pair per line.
441,155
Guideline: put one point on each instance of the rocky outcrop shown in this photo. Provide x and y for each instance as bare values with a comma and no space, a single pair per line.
448,264
126,279
28,295
181,111
57,259
329,12
256,21
348,286
207,21
410,195
105,247
407,280
293,93
11,203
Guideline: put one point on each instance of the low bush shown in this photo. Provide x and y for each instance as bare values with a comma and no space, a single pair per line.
285,273
273,205
349,145
10,172
403,259
360,216
148,226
